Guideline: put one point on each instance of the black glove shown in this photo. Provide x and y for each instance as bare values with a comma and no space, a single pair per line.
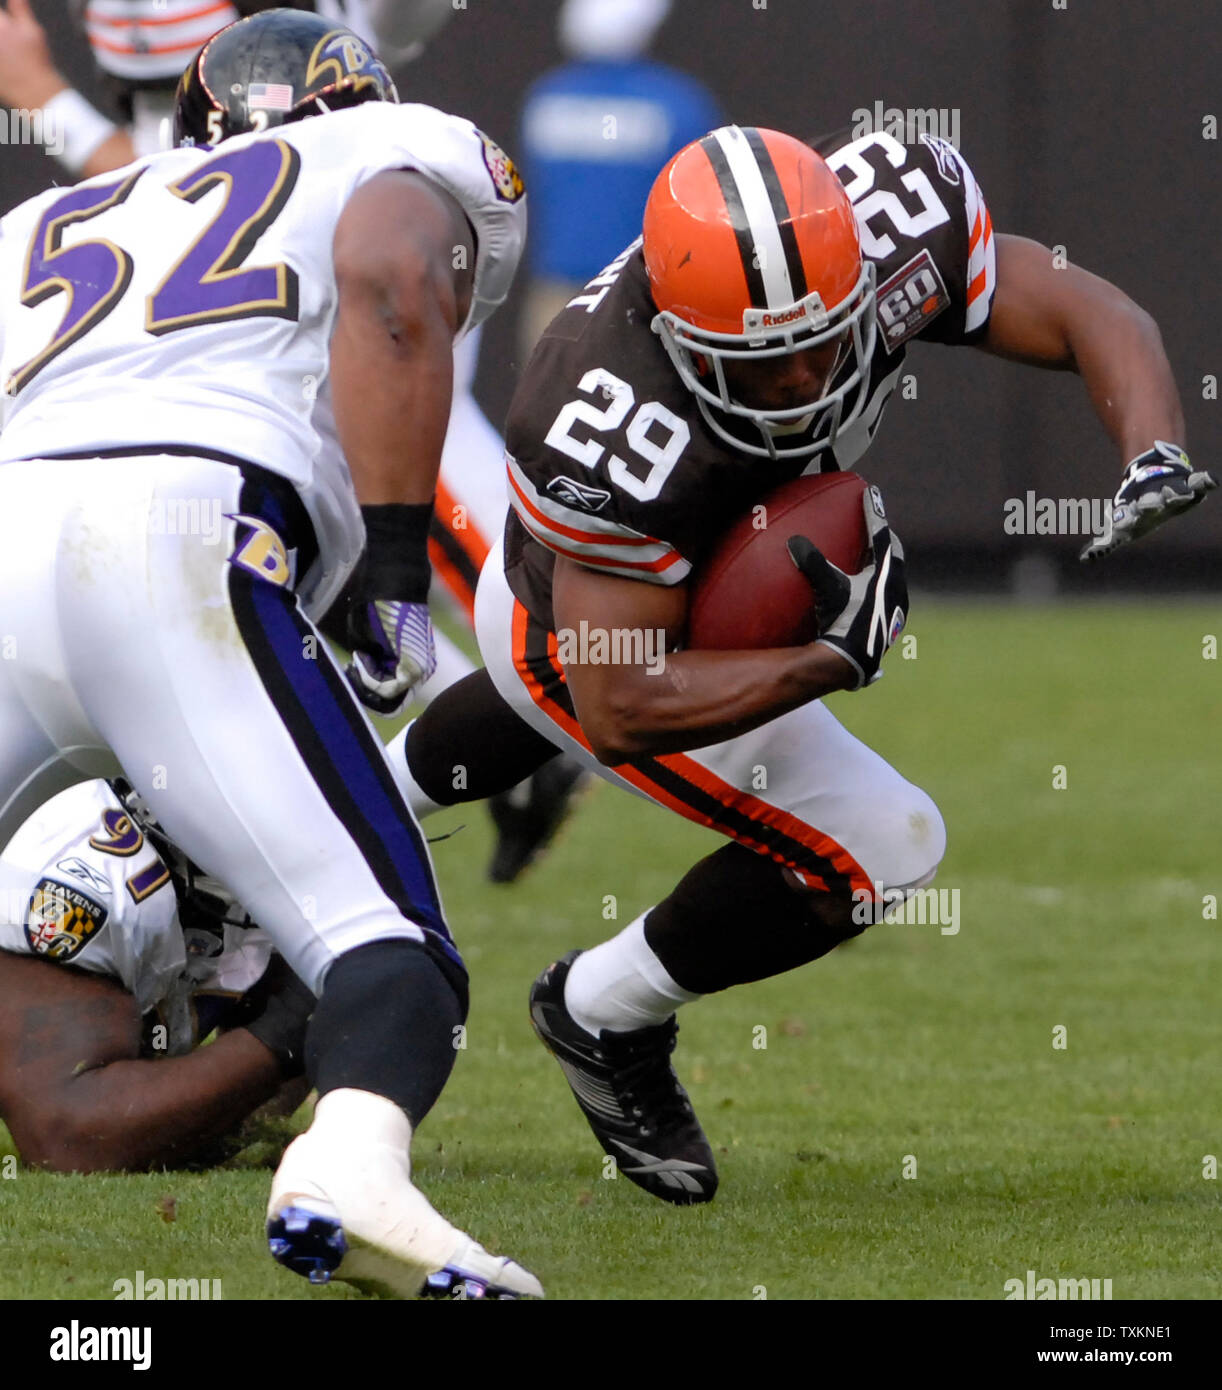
277,1011
1156,486
860,615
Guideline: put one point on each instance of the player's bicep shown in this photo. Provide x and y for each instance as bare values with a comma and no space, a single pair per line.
1033,304
581,592
398,266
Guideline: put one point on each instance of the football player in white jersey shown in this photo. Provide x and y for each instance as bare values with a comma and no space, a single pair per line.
141,46
117,957
213,105
170,524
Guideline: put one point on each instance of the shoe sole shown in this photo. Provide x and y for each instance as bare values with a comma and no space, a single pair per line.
314,1245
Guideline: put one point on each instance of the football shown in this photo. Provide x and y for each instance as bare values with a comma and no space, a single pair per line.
749,594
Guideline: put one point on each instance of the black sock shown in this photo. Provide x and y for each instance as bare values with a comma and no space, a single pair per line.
386,1023
470,737
733,919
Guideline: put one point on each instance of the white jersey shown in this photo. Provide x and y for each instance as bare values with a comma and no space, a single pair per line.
189,299
83,886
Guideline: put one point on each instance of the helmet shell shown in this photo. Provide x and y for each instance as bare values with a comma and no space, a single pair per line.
271,69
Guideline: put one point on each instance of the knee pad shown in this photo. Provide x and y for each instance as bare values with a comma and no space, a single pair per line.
909,842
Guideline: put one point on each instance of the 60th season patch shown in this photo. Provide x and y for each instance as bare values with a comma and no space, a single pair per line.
61,921
909,299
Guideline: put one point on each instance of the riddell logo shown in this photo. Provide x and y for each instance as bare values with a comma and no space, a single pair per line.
772,320
811,308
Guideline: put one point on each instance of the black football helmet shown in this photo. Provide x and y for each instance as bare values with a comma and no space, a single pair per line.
271,69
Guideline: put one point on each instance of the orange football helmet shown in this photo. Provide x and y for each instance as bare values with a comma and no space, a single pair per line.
752,250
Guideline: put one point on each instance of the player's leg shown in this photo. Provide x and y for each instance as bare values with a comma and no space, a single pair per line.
466,746
47,743
229,715
608,1014
469,745
824,828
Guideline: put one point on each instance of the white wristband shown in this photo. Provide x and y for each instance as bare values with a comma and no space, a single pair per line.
72,130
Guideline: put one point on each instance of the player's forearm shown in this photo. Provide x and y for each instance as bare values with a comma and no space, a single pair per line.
135,1113
403,254
1051,315
1118,352
392,375
700,698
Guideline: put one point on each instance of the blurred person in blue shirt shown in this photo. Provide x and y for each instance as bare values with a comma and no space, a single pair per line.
595,133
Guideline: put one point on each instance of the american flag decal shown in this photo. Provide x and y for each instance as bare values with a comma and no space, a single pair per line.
270,96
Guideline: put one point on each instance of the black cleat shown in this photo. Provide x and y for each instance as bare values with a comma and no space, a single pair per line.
629,1093
528,815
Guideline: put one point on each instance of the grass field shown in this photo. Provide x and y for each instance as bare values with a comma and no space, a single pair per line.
1080,908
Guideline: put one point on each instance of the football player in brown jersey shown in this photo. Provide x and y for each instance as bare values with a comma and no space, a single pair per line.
754,334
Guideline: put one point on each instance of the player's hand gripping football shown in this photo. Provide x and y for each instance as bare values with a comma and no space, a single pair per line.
860,615
390,633
1156,486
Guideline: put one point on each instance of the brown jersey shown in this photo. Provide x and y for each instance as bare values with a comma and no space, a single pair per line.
610,462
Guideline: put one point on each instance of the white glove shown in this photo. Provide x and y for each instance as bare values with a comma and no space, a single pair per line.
1156,486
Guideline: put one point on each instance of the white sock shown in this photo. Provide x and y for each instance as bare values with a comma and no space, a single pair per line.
350,1116
622,986
396,750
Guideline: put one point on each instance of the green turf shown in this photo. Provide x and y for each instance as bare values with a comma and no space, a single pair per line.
1080,907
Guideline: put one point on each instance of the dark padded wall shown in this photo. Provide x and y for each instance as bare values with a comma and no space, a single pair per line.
1084,126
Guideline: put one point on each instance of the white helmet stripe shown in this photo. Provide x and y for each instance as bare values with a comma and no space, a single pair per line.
761,218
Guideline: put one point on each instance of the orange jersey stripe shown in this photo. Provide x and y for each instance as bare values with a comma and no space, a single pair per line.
115,22
590,537
653,566
976,288
763,813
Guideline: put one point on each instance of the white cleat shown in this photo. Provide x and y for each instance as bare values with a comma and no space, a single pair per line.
343,1206
471,1272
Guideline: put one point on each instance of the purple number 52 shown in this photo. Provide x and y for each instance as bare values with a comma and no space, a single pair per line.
208,284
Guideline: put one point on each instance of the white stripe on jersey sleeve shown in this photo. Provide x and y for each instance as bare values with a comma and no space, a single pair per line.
596,541
982,252
762,220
